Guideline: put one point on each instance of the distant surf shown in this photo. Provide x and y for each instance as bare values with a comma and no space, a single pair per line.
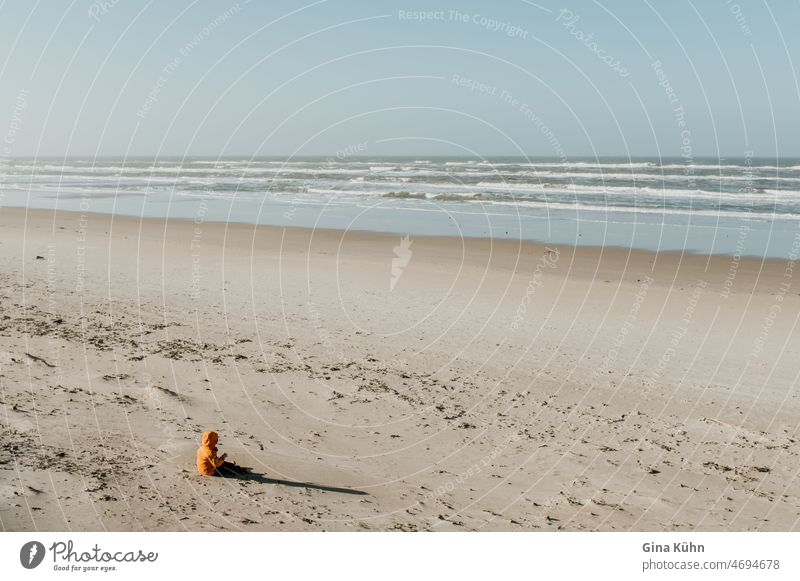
507,197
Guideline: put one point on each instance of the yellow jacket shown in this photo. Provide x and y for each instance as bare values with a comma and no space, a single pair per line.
207,461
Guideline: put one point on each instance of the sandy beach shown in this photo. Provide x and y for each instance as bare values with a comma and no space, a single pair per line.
377,384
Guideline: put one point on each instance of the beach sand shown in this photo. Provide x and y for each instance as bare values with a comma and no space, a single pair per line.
440,384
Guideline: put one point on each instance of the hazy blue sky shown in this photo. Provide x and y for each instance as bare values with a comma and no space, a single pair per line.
280,78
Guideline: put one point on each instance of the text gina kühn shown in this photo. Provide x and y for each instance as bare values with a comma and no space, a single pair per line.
681,547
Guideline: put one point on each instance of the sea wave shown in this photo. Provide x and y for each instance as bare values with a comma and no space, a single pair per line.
728,187
405,195
594,208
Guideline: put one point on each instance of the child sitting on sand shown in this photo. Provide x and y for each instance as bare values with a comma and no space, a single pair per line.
208,464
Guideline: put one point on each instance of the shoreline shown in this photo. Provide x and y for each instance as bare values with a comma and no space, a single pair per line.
521,243
737,209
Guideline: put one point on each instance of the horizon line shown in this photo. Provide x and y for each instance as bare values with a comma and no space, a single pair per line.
335,157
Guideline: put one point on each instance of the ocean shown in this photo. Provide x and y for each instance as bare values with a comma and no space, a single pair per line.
746,206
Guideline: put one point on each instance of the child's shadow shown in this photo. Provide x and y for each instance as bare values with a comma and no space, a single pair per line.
235,472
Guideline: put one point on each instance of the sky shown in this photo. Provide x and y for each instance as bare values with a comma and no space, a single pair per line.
570,79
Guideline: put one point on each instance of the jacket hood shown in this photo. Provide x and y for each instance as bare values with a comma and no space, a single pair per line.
210,439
